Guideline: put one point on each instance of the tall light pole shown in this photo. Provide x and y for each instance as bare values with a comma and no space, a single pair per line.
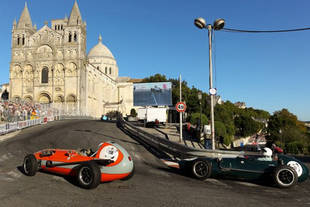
199,98
217,25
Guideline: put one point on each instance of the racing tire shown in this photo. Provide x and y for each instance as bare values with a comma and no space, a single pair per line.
285,176
201,169
88,175
30,165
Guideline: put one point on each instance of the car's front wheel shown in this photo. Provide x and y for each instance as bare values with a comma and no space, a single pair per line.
89,175
201,169
285,176
30,165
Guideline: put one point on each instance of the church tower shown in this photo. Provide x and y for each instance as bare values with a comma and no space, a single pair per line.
21,33
48,65
23,29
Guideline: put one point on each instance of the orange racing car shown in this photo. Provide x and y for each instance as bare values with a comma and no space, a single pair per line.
109,162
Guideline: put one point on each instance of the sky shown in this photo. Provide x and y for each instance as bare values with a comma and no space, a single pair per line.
266,71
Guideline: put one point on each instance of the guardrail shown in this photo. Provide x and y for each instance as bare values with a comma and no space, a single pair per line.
14,126
173,148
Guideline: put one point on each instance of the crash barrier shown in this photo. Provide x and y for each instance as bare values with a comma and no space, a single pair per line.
172,148
14,126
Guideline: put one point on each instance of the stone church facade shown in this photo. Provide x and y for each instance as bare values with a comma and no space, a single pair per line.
50,65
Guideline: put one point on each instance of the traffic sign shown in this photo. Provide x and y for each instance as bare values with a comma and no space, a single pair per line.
180,106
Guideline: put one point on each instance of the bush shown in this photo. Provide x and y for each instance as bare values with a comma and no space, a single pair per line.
133,113
194,120
295,147
113,114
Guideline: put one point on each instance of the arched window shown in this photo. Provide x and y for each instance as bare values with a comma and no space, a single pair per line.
75,37
62,27
110,71
70,37
44,75
55,27
18,40
23,40
106,70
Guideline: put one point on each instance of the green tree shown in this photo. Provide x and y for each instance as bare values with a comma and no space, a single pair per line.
133,113
246,125
284,128
194,119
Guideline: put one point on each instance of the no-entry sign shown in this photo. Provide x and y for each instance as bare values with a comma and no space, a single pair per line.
180,106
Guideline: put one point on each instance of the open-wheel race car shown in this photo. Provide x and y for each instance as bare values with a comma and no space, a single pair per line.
277,169
110,162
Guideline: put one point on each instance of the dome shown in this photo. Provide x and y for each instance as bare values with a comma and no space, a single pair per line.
100,50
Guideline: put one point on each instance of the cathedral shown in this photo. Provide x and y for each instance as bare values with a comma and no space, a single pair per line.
51,66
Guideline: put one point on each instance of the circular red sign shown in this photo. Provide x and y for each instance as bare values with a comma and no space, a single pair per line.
180,106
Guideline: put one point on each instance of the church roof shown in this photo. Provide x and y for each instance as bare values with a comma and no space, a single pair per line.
75,16
25,19
100,50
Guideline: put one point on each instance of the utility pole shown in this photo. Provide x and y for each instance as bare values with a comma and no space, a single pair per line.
181,113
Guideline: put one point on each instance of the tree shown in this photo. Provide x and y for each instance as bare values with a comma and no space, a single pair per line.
155,78
285,129
194,119
133,113
246,125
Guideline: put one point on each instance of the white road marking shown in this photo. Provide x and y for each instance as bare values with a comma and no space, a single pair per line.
216,182
5,178
247,184
137,156
5,157
158,172
9,135
58,178
14,174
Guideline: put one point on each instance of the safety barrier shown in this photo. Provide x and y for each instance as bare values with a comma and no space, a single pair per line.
172,148
14,126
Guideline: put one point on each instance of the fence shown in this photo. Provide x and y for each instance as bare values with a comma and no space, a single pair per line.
19,115
172,148
14,126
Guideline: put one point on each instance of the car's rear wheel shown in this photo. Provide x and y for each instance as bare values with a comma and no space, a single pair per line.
89,175
201,169
285,176
30,165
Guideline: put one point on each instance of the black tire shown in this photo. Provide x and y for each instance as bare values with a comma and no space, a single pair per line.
88,175
285,176
201,169
30,165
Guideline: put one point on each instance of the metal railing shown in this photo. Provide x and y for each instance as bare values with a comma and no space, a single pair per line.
172,148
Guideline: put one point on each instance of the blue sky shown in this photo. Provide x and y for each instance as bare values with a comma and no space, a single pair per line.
266,71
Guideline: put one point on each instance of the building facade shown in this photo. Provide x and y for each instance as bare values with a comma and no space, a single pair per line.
50,65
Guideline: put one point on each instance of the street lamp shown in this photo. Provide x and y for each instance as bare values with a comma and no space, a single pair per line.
199,98
217,25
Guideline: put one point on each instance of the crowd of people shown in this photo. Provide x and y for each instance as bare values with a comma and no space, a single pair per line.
20,111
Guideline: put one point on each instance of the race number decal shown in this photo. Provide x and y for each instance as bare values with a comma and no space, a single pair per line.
297,167
109,152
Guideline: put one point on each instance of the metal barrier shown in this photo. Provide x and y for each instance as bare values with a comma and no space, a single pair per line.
173,148
14,126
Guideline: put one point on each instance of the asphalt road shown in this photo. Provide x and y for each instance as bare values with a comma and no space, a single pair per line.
152,185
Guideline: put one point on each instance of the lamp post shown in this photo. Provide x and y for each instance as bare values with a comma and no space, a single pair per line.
199,98
217,25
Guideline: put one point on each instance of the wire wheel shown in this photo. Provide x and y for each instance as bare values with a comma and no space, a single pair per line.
89,175
86,175
285,176
201,169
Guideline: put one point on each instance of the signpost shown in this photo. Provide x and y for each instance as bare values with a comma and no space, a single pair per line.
180,107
